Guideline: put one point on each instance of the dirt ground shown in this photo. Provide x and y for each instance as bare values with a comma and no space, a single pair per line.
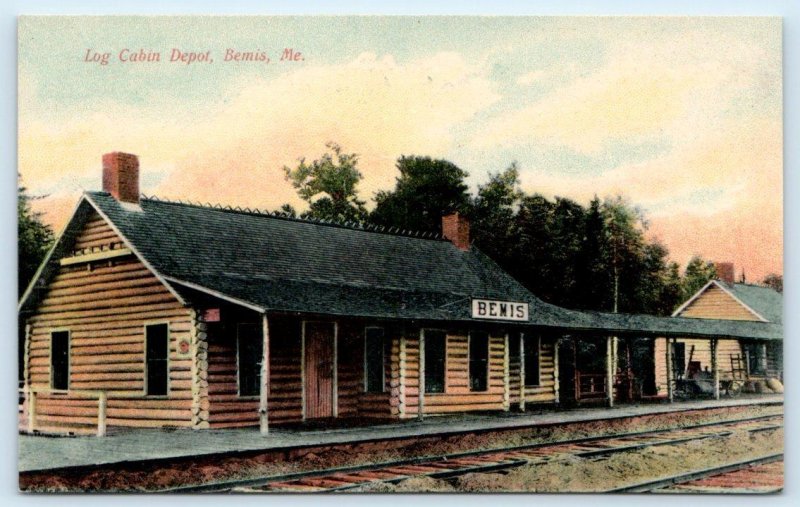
204,470
579,475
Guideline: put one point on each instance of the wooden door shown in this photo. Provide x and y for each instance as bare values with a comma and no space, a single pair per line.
320,370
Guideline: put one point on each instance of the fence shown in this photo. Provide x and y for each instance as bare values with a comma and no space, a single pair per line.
61,412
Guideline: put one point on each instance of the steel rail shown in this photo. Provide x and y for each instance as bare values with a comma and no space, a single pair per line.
648,486
228,485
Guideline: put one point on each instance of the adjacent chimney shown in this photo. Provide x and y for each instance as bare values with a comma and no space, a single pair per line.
121,176
725,272
455,227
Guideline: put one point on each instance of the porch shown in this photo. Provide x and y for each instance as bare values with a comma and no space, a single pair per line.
131,445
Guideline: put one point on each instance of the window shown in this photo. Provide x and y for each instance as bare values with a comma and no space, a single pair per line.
478,361
513,348
755,354
373,360
679,359
435,349
250,348
59,360
532,361
157,352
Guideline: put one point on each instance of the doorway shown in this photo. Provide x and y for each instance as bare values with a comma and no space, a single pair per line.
319,366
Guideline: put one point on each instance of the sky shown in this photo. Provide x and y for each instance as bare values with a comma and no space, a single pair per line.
682,116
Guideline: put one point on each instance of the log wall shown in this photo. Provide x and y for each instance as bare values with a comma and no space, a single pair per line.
545,392
457,396
715,303
105,306
702,353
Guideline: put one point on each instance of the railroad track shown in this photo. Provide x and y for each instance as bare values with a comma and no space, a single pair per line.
760,475
455,464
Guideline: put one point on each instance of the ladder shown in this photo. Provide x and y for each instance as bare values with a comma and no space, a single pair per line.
738,367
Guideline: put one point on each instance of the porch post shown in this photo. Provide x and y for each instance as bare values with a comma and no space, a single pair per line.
669,369
522,372
421,368
556,385
715,366
335,387
30,396
610,369
264,388
506,374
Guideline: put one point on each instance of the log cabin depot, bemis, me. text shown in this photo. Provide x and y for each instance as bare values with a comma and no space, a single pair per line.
499,310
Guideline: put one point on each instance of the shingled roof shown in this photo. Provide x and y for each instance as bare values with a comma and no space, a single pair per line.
765,301
274,263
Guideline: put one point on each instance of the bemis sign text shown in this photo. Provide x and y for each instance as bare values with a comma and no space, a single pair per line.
499,310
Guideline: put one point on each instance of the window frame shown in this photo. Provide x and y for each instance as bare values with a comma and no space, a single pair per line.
260,368
487,360
69,360
383,360
166,361
424,335
537,339
755,354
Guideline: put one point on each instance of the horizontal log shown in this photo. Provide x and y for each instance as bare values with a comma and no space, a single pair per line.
136,367
232,424
150,404
99,376
139,312
107,349
89,299
462,399
43,403
118,328
148,423
179,385
107,385
109,302
234,416
65,275
444,409
68,411
65,420
104,286
118,358
540,398
150,413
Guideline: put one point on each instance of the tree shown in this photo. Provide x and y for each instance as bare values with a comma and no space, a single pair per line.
591,274
328,185
774,281
34,238
492,215
425,190
698,273
672,291
288,210
624,250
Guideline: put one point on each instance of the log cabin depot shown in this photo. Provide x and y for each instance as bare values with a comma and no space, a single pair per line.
150,313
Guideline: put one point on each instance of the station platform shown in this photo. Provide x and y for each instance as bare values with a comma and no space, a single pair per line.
41,453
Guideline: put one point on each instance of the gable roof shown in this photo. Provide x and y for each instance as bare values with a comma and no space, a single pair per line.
271,263
765,303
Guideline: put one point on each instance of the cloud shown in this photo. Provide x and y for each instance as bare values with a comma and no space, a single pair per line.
234,151
672,86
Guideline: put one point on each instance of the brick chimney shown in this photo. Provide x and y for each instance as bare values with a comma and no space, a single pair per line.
725,272
121,176
455,227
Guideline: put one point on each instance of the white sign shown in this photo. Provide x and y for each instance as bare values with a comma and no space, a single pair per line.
499,310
